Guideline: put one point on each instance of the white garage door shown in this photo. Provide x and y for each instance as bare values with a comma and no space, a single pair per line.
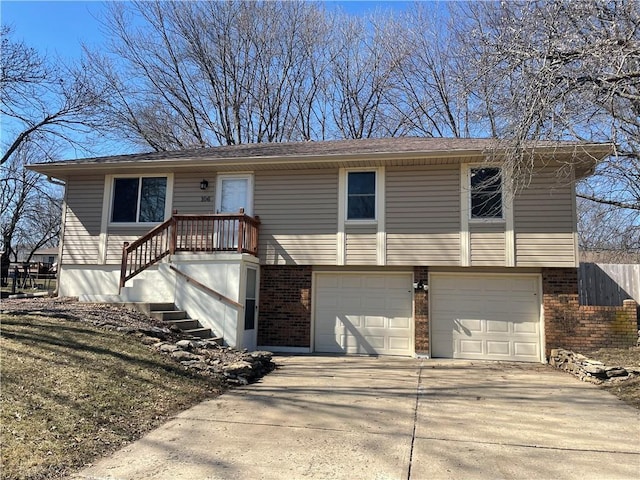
485,317
364,313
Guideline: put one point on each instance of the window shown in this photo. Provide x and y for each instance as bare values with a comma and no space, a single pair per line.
361,195
139,199
486,193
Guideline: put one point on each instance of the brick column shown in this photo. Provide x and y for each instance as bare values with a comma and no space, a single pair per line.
421,312
285,306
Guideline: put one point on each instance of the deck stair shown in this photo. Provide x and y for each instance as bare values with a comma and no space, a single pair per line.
169,314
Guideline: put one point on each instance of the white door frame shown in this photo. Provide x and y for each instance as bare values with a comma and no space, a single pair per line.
248,209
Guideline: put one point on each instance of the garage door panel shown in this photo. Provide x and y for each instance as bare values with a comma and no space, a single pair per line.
371,303
402,323
472,347
492,317
494,326
354,282
525,328
327,281
467,325
375,341
498,348
369,313
399,343
374,322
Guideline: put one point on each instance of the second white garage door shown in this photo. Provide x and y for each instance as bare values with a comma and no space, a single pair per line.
489,317
364,313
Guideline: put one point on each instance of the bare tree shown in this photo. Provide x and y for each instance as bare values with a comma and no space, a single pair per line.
561,71
44,105
611,232
192,74
363,70
432,92
43,101
30,209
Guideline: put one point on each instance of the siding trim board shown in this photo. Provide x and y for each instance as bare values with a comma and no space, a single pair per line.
347,229
106,208
465,239
340,234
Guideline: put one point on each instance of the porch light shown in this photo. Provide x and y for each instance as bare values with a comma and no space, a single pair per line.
204,184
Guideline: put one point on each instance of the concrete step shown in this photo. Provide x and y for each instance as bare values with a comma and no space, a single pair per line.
199,332
154,307
167,312
165,315
185,324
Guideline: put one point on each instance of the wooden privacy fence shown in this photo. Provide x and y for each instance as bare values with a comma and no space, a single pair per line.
190,233
608,284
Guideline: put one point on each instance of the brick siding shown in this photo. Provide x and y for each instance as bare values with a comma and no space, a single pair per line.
285,306
421,312
572,326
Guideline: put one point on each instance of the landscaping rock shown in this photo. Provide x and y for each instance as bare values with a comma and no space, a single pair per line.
615,372
589,370
238,368
592,369
168,347
202,356
181,355
185,344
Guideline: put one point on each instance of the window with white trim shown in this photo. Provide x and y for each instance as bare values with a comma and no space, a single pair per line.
361,195
486,193
139,199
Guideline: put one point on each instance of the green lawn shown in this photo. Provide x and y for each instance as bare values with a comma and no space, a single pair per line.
72,392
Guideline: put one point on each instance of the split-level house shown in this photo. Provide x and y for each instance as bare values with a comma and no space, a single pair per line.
404,246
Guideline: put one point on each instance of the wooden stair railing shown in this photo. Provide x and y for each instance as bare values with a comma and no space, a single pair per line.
190,233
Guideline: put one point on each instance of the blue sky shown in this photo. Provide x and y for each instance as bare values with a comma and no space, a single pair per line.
59,27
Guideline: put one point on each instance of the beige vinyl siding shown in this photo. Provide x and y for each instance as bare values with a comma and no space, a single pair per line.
116,238
423,215
432,249
299,216
544,222
487,244
187,196
83,218
361,244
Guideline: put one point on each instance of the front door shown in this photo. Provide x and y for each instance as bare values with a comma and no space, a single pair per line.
233,194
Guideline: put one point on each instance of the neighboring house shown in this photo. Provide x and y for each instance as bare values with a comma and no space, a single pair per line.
46,256
384,246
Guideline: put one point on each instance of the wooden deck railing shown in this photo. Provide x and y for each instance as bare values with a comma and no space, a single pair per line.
190,233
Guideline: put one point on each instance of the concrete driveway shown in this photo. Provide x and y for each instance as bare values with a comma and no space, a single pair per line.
321,417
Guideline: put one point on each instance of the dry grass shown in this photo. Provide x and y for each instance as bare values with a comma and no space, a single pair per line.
628,390
72,392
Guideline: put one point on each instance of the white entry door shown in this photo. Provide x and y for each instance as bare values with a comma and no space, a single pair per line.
366,313
233,193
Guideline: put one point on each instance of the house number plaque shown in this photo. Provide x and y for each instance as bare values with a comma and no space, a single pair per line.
205,198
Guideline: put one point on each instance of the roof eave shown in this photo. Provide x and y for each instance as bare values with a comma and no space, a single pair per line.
587,154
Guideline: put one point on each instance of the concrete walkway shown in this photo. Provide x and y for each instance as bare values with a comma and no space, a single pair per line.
321,417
